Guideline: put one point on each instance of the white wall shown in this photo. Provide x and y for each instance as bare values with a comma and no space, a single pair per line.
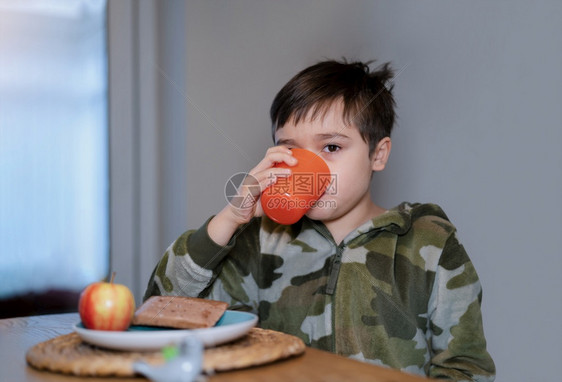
480,132
239,54
480,124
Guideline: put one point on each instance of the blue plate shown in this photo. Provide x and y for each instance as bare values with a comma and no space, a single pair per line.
232,325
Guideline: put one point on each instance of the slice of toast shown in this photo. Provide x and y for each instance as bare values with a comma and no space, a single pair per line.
179,312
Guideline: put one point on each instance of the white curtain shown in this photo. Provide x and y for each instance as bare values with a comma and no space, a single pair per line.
53,145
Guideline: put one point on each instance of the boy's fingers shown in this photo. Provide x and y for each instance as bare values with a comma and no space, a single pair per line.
255,184
274,155
259,210
279,148
259,179
269,177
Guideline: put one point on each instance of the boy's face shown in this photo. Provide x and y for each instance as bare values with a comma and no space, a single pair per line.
347,156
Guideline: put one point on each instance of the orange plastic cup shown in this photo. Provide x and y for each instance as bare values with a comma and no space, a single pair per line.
290,198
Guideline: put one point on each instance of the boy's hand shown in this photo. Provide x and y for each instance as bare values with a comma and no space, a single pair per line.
224,224
265,175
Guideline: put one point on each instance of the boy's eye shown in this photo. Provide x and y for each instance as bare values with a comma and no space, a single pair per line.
331,148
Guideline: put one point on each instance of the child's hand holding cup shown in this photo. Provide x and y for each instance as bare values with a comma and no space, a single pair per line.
290,198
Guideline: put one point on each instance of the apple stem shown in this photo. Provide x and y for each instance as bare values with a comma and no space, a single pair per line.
112,277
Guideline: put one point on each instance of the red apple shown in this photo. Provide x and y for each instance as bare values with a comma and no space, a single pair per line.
106,306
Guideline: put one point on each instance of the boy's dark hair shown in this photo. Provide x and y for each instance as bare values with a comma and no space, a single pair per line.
367,97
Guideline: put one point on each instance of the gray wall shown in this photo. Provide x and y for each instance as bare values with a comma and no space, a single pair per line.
480,126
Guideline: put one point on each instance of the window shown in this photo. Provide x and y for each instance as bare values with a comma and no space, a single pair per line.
54,191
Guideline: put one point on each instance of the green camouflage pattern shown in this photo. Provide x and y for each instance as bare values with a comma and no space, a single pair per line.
399,291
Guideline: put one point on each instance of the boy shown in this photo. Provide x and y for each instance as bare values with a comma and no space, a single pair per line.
392,287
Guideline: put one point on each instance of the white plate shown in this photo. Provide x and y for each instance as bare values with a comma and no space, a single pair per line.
232,325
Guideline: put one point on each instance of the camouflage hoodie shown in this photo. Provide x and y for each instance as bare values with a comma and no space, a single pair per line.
398,291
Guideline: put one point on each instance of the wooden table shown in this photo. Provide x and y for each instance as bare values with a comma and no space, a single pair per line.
17,335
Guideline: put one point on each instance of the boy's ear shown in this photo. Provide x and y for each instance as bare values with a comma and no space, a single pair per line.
382,152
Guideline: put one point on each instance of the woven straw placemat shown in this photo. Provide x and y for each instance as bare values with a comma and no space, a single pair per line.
69,355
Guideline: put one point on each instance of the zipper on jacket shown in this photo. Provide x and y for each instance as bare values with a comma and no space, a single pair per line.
335,270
